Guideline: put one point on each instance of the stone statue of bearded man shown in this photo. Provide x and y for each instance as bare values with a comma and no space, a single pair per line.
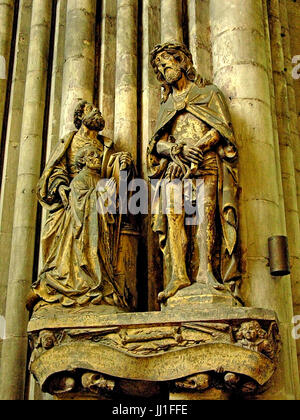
80,244
194,140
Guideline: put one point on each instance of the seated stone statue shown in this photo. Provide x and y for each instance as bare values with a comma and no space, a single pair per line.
80,242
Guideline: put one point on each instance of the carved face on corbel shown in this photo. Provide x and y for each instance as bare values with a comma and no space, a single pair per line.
251,331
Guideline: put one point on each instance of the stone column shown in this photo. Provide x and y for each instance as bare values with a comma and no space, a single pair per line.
295,144
14,351
199,36
291,86
79,67
285,135
126,77
171,21
57,76
274,116
53,134
6,33
240,70
107,65
294,19
151,94
11,155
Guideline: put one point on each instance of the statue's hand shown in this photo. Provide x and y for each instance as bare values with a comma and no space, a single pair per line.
126,161
192,154
64,192
111,186
174,172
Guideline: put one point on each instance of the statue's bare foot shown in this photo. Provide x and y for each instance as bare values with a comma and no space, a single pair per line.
173,288
212,281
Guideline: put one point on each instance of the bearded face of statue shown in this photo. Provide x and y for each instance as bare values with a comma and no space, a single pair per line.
92,118
93,159
169,66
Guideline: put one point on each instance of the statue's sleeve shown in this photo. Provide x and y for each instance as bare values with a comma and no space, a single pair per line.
54,175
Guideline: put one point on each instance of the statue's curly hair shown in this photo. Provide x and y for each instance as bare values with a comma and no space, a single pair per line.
182,54
79,110
245,325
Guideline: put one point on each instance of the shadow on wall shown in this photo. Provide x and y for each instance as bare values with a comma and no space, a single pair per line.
2,327
2,67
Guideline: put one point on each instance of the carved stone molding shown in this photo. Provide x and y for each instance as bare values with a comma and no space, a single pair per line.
235,349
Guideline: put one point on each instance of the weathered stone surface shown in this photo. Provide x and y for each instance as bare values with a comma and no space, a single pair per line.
151,347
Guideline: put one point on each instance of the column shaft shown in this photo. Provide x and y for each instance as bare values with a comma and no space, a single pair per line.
151,94
199,36
53,134
286,141
171,21
294,19
295,144
79,67
126,77
6,33
11,155
14,351
107,65
274,116
57,76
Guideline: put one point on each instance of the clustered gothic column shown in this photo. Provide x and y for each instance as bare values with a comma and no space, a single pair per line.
151,94
53,134
241,72
294,19
57,76
199,36
285,140
269,67
6,31
295,143
11,155
79,67
171,21
14,350
126,77
107,65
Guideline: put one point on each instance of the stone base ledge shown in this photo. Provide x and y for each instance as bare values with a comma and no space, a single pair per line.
82,350
55,316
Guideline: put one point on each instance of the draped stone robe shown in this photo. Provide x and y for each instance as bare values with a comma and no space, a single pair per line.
79,244
208,105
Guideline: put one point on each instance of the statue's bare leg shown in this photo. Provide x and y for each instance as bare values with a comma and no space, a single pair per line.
177,248
207,231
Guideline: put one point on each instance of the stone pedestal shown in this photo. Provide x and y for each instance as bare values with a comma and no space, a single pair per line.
216,350
199,295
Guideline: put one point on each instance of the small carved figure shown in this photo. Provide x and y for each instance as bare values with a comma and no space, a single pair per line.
200,382
95,382
47,339
252,336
